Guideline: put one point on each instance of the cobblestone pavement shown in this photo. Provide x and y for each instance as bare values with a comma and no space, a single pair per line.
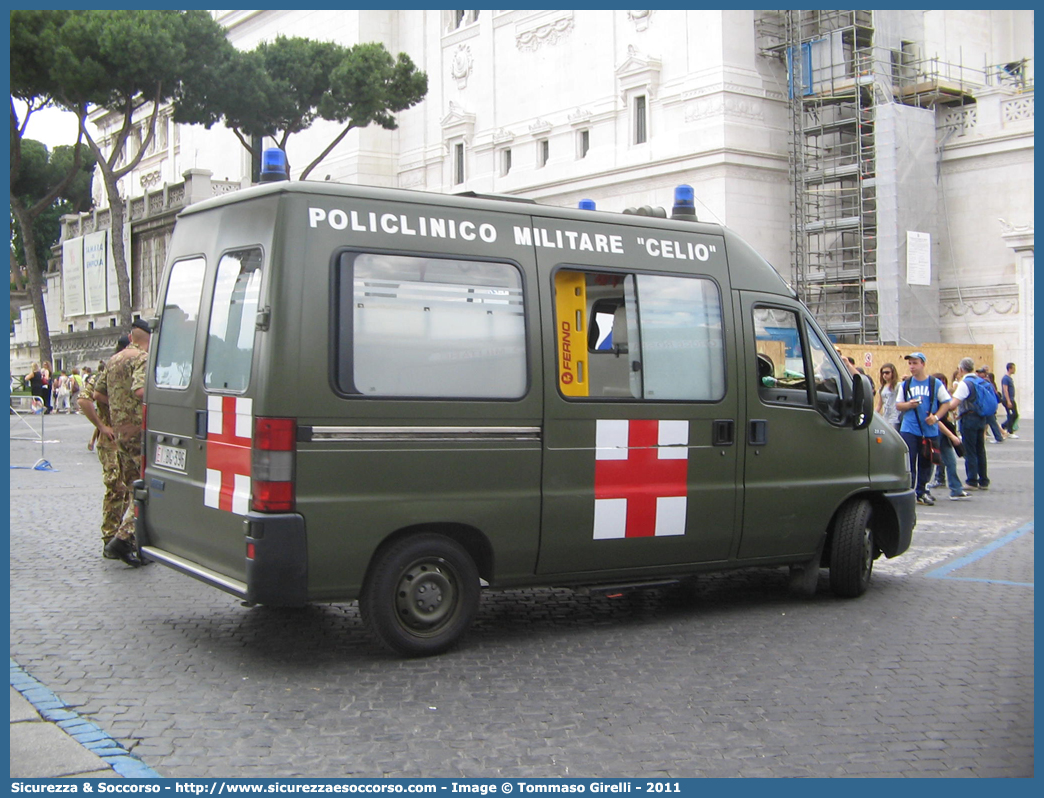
929,674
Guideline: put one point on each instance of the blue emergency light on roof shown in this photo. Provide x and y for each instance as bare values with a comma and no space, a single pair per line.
587,204
684,203
273,166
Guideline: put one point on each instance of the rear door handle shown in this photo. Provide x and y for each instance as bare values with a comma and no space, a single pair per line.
723,432
758,432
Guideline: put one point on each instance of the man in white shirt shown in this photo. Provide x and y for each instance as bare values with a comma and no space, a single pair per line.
973,427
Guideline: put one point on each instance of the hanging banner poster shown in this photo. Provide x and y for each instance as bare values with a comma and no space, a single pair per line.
72,276
918,258
94,258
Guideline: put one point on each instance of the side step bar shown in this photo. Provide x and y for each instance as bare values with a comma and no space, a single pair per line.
611,591
196,571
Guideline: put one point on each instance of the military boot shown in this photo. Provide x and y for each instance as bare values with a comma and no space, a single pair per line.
123,550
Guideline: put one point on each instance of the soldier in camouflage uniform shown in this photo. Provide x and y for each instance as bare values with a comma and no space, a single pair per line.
113,507
124,391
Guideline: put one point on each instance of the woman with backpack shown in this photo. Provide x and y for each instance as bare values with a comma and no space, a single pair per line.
998,433
972,401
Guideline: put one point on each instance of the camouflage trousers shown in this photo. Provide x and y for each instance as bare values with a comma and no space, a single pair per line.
128,469
113,506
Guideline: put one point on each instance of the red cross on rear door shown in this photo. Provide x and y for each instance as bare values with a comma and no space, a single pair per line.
229,430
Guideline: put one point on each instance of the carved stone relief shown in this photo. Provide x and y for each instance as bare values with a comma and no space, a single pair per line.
539,126
1007,227
639,72
1000,300
549,33
640,19
982,307
745,108
580,117
460,66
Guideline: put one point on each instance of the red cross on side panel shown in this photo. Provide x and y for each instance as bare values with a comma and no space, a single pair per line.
643,478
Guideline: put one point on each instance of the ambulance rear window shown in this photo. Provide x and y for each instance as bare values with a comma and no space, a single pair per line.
177,336
429,327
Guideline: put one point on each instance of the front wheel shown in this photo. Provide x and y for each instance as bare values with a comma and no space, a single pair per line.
852,552
421,595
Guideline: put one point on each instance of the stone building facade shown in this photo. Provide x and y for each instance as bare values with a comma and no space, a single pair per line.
622,106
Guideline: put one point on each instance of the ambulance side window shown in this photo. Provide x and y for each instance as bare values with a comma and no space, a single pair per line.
780,357
829,383
233,315
639,336
410,326
177,334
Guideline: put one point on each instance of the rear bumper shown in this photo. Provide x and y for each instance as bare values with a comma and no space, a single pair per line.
196,571
277,574
275,555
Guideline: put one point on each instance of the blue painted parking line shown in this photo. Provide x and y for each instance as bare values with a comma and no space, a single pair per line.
87,734
945,571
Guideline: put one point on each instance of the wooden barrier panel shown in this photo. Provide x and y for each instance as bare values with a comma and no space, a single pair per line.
776,352
942,358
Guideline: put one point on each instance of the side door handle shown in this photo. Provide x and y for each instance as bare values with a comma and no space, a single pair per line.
723,432
758,433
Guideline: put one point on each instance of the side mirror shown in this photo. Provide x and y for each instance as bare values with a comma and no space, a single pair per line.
862,401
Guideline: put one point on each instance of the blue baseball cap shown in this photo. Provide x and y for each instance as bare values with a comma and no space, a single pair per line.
919,355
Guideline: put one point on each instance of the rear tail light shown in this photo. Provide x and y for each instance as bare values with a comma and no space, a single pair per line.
272,467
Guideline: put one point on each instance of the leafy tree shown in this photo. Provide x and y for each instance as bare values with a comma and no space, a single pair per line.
37,178
41,170
122,61
46,186
280,88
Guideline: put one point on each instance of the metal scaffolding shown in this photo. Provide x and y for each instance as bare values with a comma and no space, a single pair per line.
838,78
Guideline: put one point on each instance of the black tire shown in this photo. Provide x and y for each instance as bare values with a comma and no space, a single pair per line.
852,552
421,595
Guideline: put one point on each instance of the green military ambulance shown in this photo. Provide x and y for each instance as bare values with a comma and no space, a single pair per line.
402,398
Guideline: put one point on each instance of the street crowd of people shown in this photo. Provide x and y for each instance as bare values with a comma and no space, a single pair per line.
942,419
57,393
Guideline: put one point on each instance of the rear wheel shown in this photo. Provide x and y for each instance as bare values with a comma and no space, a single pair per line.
852,552
421,595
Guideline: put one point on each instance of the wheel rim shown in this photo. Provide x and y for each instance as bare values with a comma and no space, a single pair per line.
426,596
868,552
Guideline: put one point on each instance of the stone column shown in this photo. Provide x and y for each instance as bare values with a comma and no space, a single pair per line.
197,185
1020,239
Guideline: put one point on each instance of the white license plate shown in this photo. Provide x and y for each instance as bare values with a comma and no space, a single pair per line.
170,457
